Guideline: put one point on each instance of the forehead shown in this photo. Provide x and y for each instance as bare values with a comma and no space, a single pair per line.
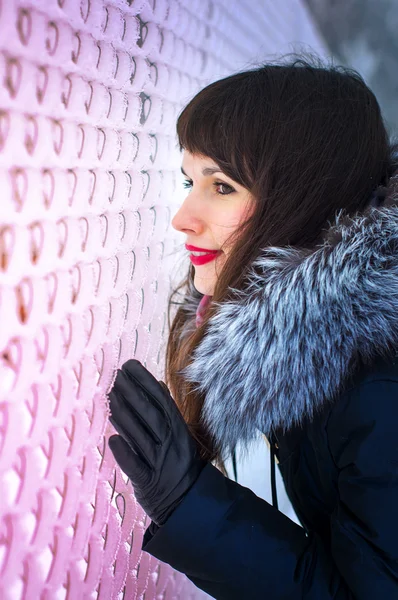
204,164
189,157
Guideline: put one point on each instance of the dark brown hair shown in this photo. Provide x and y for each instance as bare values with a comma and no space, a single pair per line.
306,139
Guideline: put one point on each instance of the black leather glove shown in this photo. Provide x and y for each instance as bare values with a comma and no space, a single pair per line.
155,448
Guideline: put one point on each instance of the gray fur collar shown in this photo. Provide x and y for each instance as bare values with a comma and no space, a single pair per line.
286,346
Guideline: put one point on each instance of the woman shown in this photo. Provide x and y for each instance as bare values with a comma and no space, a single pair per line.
292,330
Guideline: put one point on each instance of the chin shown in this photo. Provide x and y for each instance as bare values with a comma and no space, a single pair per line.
207,290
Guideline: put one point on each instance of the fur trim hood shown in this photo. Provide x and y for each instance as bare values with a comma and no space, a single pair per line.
287,344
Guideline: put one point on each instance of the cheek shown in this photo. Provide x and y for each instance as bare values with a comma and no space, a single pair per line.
225,221
229,221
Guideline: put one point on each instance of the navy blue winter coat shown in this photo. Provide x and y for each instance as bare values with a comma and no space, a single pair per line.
308,357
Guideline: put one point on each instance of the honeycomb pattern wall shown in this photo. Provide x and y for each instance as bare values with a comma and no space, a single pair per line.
90,91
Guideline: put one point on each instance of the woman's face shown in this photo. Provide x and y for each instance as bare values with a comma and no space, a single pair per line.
211,212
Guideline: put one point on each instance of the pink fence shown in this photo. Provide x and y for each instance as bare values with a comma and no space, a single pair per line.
89,177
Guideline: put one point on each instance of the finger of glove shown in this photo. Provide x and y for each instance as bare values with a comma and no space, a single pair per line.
164,386
147,399
159,394
133,430
174,410
128,461
141,376
181,447
186,444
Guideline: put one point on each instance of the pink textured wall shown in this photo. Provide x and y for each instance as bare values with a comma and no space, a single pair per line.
89,181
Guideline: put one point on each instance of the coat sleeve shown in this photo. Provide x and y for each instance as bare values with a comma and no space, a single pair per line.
233,544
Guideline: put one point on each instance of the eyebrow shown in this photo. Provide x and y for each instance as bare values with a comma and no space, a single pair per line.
206,171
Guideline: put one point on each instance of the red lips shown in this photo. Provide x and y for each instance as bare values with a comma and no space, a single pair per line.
202,260
196,249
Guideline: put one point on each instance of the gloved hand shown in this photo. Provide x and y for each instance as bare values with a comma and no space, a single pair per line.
155,448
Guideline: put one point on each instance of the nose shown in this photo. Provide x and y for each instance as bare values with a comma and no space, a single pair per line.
186,220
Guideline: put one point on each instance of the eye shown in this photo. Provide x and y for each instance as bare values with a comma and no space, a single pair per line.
188,184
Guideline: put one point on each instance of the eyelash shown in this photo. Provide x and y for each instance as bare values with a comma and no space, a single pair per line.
188,183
